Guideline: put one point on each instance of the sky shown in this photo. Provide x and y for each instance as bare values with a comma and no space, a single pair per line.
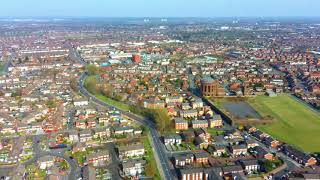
159,8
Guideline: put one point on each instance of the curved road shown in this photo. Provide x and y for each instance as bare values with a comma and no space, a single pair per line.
155,137
40,153
160,154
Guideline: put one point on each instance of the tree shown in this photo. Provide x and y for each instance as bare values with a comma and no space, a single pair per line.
74,84
91,84
150,170
92,69
162,120
51,103
107,91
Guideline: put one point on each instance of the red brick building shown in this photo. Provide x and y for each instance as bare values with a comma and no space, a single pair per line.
180,124
136,58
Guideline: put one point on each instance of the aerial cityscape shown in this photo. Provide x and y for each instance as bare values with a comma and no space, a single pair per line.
156,94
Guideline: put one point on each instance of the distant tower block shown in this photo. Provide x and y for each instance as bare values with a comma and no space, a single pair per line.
136,58
209,87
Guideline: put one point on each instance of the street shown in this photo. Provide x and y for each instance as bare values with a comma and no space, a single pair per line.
155,137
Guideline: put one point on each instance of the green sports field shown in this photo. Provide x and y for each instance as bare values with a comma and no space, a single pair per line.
294,123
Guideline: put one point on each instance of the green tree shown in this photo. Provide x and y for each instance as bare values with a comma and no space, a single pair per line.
51,103
91,84
92,69
162,120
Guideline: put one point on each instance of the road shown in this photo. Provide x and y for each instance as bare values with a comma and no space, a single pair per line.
160,153
38,153
74,170
70,118
155,137
291,164
8,63
114,164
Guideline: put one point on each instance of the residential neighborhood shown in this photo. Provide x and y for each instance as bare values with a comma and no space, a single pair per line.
173,99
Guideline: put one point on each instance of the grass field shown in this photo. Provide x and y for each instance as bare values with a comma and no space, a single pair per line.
294,123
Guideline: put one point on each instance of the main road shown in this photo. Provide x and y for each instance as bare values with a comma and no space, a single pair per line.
160,153
155,137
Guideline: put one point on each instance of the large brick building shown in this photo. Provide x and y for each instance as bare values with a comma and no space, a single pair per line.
209,87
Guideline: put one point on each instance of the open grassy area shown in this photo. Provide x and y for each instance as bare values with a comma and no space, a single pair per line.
294,123
151,169
90,81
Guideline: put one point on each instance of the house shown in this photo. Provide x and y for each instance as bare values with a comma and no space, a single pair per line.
269,141
22,128
187,136
131,150
202,133
232,169
237,150
251,144
233,134
36,126
81,124
174,99
103,119
250,165
137,131
172,139
91,123
97,158
200,143
259,135
73,136
182,160
133,167
213,173
195,173
180,124
299,156
102,132
259,152
191,113
197,103
185,106
201,157
80,102
172,111
215,121
85,135
46,162
119,130
250,128
216,150
154,104
199,124
8,129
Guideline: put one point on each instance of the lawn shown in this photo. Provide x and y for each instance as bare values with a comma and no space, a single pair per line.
294,123
151,169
